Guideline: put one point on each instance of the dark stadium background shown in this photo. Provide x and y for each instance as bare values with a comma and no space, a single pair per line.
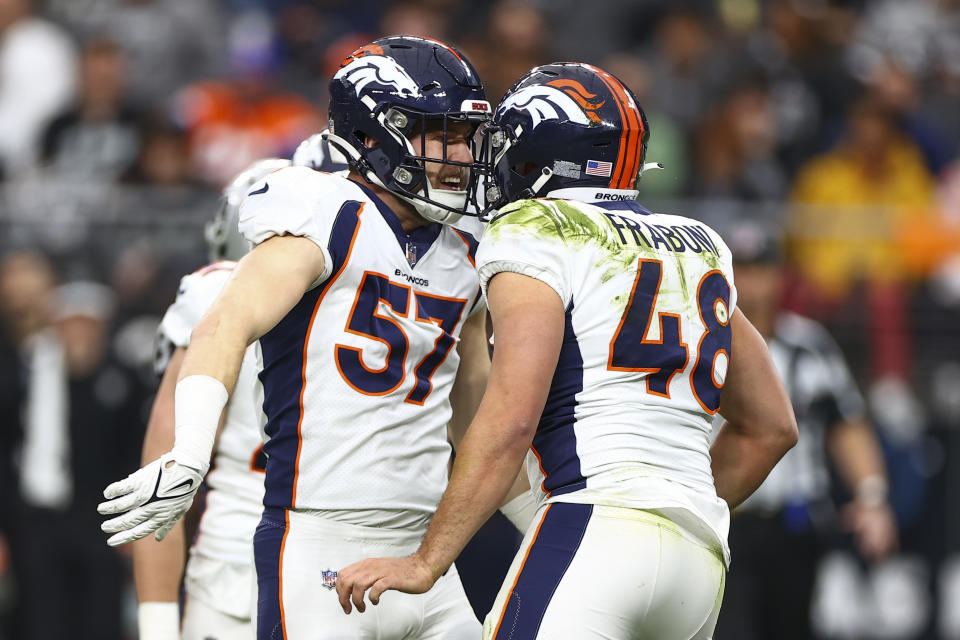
120,120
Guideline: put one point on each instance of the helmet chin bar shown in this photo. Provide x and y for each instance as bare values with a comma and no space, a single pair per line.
445,207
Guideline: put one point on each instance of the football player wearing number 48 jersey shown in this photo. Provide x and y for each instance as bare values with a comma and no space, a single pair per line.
358,291
617,339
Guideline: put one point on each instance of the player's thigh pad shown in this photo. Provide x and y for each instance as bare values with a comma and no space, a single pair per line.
294,551
202,622
591,572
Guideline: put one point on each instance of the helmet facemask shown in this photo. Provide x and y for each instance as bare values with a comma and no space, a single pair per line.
406,151
385,96
425,177
513,172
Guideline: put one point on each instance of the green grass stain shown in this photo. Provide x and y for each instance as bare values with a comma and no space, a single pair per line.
684,291
580,229
592,227
525,217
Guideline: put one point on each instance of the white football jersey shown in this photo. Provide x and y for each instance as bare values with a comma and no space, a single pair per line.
234,500
471,225
357,377
648,300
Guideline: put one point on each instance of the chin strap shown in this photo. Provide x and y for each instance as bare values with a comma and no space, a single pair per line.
545,174
531,192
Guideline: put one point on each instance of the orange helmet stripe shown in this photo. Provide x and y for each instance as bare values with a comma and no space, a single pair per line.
615,179
628,159
635,150
445,46
366,50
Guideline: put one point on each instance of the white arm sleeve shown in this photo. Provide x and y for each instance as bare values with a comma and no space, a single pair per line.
515,242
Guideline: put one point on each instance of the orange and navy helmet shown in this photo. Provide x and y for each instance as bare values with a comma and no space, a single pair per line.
566,125
391,88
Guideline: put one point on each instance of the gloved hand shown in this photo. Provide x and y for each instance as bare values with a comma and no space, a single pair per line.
151,499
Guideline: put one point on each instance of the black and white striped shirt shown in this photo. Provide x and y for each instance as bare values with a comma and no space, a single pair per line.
824,394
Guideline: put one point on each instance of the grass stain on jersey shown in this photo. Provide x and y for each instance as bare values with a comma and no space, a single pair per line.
565,222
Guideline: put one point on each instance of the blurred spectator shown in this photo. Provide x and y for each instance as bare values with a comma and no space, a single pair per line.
777,536
166,43
916,36
164,159
426,18
514,42
83,426
10,436
932,244
315,36
668,143
26,281
230,123
798,49
689,66
898,90
99,137
736,149
587,33
37,68
855,196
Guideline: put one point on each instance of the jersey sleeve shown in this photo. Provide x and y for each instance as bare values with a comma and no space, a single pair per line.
196,293
525,238
295,201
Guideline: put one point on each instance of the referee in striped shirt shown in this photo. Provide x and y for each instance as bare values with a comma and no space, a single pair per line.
777,535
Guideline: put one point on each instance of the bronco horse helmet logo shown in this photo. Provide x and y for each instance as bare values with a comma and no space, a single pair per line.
369,65
561,99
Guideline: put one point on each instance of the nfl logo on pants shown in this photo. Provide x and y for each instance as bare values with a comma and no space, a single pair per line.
329,578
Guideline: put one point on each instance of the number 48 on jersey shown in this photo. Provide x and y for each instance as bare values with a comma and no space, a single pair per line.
631,350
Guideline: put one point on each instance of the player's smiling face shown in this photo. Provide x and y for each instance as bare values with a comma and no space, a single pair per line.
444,176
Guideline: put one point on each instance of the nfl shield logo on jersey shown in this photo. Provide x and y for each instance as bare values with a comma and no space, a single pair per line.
329,578
411,254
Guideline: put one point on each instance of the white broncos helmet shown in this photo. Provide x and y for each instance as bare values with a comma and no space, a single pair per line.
224,241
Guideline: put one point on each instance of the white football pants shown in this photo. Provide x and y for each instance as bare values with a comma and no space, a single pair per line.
595,572
295,550
202,622
219,599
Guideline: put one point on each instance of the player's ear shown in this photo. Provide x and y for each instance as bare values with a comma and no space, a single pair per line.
370,143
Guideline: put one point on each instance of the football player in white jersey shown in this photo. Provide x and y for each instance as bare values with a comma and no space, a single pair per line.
220,580
358,290
617,339
315,152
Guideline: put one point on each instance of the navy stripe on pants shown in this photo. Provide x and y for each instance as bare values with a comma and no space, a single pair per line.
267,545
551,553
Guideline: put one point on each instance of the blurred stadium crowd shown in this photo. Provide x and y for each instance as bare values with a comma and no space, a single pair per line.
828,128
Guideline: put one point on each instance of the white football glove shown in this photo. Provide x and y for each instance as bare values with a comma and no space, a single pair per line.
151,499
